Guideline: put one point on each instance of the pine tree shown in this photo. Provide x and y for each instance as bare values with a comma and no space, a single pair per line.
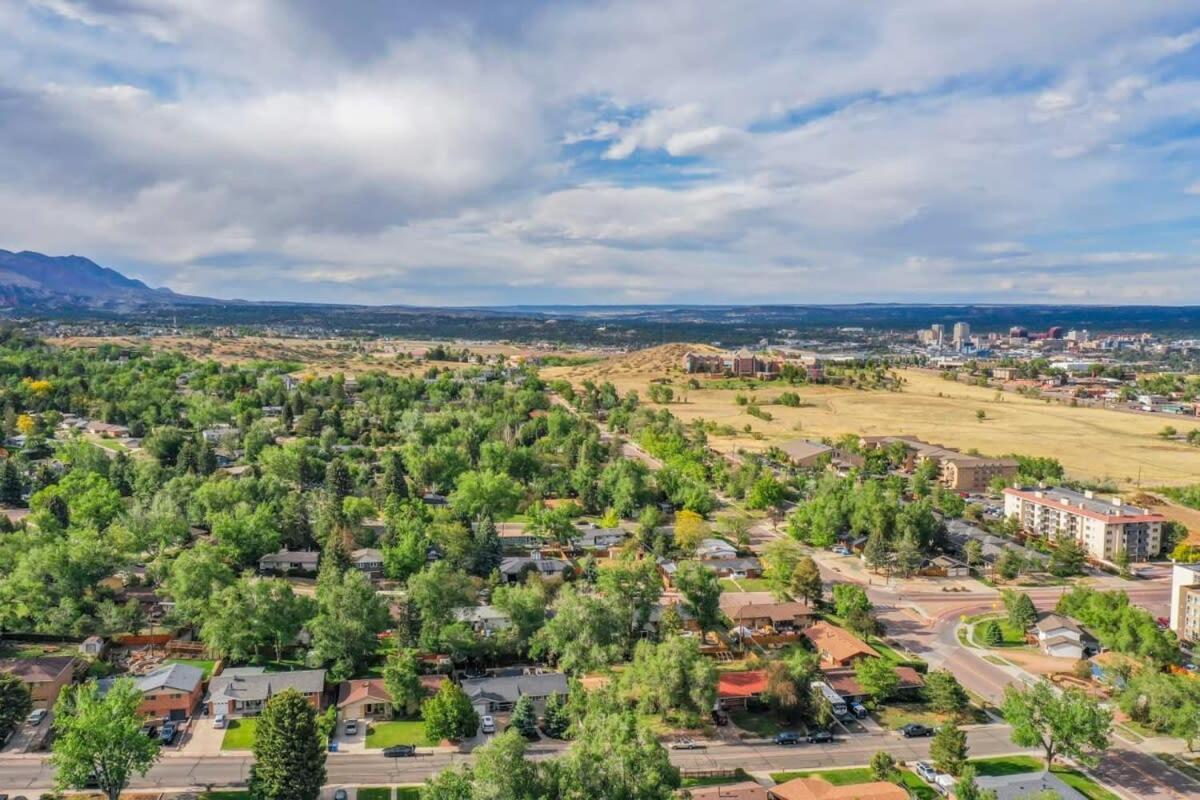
556,718
991,634
394,483
949,748
877,553
488,549
289,759
57,507
524,719
10,484
338,483
883,766
1022,613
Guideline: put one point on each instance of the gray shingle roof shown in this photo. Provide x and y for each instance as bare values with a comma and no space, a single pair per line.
253,684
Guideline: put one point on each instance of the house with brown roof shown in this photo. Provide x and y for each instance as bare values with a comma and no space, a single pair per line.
805,453
736,689
369,698
845,682
45,676
792,615
818,789
744,790
837,646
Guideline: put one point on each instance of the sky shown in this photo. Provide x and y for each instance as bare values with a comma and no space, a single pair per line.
471,152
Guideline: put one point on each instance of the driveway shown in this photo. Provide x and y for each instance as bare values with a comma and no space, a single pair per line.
204,739
26,737
354,743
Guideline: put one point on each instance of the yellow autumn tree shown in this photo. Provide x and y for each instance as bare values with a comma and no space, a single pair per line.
690,529
26,424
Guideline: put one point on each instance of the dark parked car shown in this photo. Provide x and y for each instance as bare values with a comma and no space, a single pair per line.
719,717
341,794
400,751
820,737
149,731
913,730
787,737
166,734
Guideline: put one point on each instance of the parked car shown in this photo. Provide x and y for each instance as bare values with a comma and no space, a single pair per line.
220,721
787,737
820,737
400,751
684,743
487,724
719,717
166,734
859,710
351,727
36,716
915,730
149,731
341,794
926,771
841,551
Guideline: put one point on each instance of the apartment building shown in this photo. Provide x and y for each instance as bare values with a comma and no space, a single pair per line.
961,472
1185,601
1102,528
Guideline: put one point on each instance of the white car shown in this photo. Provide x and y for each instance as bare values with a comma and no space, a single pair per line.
487,725
926,771
36,717
220,721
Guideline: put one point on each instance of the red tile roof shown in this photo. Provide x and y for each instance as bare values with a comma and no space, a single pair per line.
742,684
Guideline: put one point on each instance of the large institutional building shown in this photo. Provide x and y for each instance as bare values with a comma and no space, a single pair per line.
1185,601
1103,528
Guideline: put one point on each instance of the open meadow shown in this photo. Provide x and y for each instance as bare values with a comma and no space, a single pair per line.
1094,444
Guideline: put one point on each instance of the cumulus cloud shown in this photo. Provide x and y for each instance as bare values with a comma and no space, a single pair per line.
605,151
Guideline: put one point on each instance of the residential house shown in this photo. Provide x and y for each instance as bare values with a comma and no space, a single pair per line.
500,690
738,689
1185,601
245,690
715,549
369,698
517,538
514,568
749,567
959,532
654,621
743,790
218,433
845,683
806,454
45,676
600,538
368,560
484,620
837,646
819,789
1028,784
290,561
106,429
789,616
1063,637
946,567
171,691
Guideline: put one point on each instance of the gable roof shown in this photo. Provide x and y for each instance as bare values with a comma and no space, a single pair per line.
180,677
251,683
776,612
742,684
44,669
838,643
1011,787
818,789
509,688
359,690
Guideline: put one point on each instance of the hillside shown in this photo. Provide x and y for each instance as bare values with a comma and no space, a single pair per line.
639,365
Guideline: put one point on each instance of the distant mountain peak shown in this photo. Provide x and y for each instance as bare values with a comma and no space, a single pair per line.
29,279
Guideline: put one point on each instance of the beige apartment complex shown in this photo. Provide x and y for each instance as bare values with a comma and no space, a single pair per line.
1185,601
961,472
1102,528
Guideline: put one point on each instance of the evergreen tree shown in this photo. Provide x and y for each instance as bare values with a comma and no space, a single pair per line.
945,693
488,550
909,555
1021,612
883,767
806,580
57,508
1067,558
449,714
289,758
338,482
556,718
524,718
393,483
990,633
949,748
402,678
10,484
877,553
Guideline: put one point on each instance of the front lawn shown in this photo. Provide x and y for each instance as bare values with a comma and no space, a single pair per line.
763,724
1010,635
919,789
1007,765
838,777
400,731
375,793
894,716
408,793
240,734
229,795
199,663
1084,785
745,585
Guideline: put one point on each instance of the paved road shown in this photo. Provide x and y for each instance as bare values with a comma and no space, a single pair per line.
29,774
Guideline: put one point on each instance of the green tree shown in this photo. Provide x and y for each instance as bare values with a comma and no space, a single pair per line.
702,591
990,633
949,748
587,631
339,484
289,757
877,553
945,693
1070,723
671,678
973,553
779,559
789,684
100,738
449,714
615,758
350,616
15,703
967,789
1068,558
485,493
1021,611
10,483
849,598
524,718
556,718
883,767
402,677
806,580
877,678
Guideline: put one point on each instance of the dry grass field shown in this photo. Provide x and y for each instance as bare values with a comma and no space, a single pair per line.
1097,444
319,356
